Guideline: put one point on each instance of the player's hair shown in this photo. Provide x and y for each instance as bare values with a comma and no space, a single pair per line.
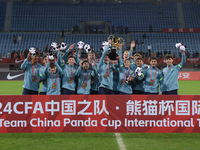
168,56
107,54
125,52
153,59
127,59
71,56
84,61
139,59
44,56
137,54
52,65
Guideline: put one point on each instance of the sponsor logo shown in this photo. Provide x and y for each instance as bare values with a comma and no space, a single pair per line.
9,77
18,61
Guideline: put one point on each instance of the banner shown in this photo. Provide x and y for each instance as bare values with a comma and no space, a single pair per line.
105,113
146,60
180,30
189,75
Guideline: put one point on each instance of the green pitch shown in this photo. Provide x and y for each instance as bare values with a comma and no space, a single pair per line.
15,87
98,141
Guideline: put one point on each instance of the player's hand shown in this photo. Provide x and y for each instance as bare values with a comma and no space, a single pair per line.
146,66
109,41
80,64
130,78
118,57
38,81
132,45
93,63
71,47
131,57
160,94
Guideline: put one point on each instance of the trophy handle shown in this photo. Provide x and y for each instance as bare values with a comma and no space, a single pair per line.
110,38
122,41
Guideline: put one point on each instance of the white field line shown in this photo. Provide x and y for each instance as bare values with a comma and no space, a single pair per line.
120,141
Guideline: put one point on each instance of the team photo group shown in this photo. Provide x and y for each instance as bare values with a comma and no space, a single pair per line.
116,72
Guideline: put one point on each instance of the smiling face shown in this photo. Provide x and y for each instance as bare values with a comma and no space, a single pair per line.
127,63
139,62
71,61
126,55
107,59
86,65
91,56
169,61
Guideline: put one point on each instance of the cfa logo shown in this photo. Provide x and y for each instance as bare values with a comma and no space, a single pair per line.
9,77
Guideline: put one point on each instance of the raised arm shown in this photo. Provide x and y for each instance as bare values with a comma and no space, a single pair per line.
23,65
65,56
59,69
60,62
183,61
77,59
103,55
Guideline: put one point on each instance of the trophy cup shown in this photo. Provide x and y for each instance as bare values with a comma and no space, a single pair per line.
115,44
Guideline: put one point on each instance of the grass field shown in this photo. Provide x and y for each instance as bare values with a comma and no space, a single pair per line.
15,87
98,141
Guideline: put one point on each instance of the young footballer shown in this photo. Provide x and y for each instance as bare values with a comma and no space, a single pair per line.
171,73
68,78
53,74
31,86
42,77
152,77
84,77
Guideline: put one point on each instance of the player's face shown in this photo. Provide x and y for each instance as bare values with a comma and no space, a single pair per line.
107,59
139,63
153,63
127,63
35,58
71,61
135,58
115,62
126,55
91,56
45,60
53,69
169,61
85,65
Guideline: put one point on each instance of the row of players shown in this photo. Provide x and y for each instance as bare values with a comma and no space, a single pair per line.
70,75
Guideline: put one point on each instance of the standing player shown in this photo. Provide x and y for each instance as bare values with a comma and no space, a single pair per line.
68,78
84,77
152,77
42,77
31,86
106,72
171,73
138,85
53,74
91,60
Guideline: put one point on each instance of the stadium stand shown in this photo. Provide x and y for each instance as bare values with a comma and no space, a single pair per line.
191,14
55,16
37,40
92,40
162,41
2,14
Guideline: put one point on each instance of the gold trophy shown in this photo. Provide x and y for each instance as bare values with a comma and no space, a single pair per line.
115,44
116,40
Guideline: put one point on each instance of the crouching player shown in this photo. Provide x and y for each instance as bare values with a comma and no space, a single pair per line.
171,73
84,77
31,86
